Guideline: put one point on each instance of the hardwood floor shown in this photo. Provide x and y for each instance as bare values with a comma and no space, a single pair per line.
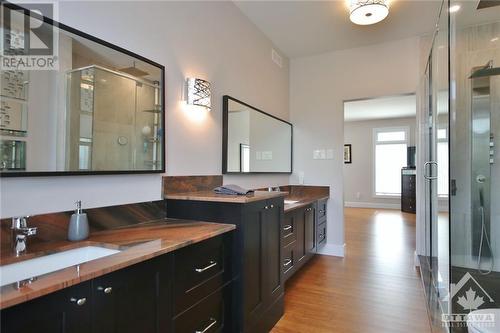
375,288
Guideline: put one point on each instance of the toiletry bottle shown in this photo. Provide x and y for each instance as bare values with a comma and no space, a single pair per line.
78,224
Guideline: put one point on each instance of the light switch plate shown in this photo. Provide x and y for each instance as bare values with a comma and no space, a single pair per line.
329,154
316,154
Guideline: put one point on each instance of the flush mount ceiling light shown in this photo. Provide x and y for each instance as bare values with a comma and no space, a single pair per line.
198,92
365,12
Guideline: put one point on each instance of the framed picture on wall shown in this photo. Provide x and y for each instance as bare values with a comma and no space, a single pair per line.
347,153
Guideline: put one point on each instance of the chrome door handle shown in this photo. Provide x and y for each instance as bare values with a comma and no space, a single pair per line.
210,265
107,290
213,321
79,302
425,170
287,262
287,227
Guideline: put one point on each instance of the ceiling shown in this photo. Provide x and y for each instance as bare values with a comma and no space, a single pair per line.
303,28
381,108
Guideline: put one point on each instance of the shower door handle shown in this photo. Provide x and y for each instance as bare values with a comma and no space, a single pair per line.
426,176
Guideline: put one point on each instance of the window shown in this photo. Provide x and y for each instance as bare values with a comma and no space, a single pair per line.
390,156
244,158
442,160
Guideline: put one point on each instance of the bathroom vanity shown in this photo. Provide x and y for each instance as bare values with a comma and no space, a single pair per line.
274,237
257,250
164,275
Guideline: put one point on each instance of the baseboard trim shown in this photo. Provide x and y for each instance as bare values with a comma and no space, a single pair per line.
371,205
335,250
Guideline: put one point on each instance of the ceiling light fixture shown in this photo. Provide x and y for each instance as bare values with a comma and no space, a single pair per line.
365,12
454,8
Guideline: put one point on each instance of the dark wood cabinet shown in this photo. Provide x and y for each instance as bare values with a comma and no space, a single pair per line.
303,232
310,230
65,311
257,252
408,190
134,299
140,298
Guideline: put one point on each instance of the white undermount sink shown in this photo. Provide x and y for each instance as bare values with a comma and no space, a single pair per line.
50,263
291,202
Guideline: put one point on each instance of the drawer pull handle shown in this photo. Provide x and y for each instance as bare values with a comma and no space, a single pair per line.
287,262
79,302
107,290
272,206
321,211
266,207
287,227
210,265
212,323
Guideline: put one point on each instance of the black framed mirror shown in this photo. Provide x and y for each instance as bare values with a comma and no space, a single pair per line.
254,141
98,110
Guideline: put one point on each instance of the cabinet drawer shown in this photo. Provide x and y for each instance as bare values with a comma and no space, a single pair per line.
199,270
288,229
321,233
322,209
288,260
208,316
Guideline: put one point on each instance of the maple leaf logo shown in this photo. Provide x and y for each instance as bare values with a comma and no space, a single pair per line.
470,301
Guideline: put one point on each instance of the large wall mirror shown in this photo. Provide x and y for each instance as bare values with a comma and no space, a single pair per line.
99,111
254,141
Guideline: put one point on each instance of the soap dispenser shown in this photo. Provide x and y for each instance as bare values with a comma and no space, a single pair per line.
78,224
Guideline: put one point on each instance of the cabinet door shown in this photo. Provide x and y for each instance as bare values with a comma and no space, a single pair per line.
310,230
300,244
134,299
253,264
65,311
273,251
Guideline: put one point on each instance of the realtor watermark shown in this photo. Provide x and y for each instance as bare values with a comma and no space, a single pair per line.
29,41
468,296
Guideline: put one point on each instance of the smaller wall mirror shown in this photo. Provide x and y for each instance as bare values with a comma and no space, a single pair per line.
254,141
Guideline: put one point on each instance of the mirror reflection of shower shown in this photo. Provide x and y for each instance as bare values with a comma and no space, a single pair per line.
482,165
113,121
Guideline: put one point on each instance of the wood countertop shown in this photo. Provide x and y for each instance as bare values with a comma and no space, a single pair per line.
136,243
214,197
302,201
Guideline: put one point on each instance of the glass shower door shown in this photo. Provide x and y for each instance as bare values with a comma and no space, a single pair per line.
435,171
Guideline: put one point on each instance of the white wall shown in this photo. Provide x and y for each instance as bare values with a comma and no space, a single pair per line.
210,40
358,176
318,87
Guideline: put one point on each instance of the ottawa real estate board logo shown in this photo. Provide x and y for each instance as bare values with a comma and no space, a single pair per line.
470,304
28,41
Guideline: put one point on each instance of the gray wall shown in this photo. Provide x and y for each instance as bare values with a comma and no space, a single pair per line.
319,85
358,176
210,40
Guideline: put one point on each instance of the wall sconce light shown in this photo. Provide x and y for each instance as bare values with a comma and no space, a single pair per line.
197,92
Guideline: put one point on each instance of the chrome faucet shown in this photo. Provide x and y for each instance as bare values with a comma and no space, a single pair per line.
20,232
